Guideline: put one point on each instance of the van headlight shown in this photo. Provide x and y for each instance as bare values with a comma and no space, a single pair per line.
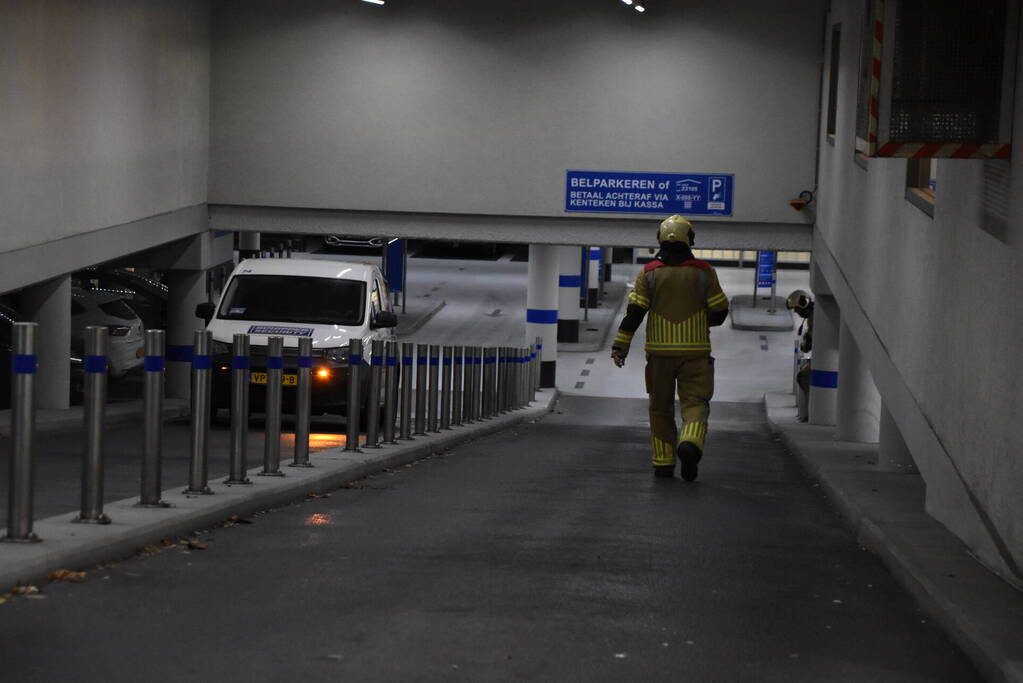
338,354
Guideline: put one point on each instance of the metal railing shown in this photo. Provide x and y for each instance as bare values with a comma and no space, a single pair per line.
430,388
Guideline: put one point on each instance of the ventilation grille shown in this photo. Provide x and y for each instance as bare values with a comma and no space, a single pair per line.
947,77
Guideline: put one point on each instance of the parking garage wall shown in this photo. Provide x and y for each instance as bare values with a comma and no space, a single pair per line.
468,107
939,298
105,119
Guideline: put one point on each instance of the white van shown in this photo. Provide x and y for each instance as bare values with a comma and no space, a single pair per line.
331,302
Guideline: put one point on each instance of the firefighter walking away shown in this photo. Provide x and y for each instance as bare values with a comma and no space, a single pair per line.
681,298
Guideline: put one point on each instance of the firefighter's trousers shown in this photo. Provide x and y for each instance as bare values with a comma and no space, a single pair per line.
692,378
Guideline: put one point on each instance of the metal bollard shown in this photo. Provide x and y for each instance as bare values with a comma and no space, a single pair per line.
421,372
199,436
23,428
376,376
431,398
303,402
274,390
407,374
95,399
477,382
240,377
503,380
520,367
539,362
457,381
354,394
446,371
152,436
486,393
469,386
390,389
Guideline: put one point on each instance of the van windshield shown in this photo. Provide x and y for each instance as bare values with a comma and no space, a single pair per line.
292,298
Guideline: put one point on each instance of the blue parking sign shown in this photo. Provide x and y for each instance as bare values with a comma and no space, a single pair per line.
689,194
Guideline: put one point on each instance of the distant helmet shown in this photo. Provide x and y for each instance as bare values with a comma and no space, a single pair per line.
797,300
676,229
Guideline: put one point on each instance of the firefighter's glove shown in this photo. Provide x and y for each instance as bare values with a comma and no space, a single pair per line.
618,355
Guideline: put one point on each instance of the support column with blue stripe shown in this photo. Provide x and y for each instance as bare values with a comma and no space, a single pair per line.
593,281
569,281
824,362
542,307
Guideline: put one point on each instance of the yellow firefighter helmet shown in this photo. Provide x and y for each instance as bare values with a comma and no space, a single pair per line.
798,300
676,229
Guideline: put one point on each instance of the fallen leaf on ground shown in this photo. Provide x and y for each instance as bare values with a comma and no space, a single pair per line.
66,575
20,589
193,544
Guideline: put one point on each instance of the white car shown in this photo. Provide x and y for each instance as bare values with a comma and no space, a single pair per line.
125,344
331,302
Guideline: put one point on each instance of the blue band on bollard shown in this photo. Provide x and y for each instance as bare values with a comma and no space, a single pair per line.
200,362
595,255
421,360
447,360
458,360
825,379
25,364
476,360
240,363
177,353
406,360
95,363
539,347
305,361
489,360
376,361
542,315
392,361
152,363
355,359
435,361
275,363
569,280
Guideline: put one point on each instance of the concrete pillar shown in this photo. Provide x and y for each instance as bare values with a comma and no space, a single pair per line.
858,416
593,279
892,453
607,263
824,362
186,289
248,245
542,307
569,281
49,304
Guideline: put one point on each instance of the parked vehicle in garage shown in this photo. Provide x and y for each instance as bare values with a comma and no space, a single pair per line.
124,328
328,301
146,295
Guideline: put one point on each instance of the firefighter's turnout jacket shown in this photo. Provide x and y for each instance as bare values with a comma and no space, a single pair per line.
680,302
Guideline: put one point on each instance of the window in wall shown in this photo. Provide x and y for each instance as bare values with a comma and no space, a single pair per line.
921,183
994,204
836,43
864,84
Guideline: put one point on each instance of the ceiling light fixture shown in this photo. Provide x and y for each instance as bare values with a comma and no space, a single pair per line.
627,2
375,2
640,8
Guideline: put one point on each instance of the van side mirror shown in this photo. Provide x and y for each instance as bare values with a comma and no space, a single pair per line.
384,319
204,311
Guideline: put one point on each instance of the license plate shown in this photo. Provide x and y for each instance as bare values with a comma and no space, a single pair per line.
288,380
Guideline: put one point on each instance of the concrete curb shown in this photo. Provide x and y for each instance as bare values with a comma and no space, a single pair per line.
980,612
68,546
744,316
